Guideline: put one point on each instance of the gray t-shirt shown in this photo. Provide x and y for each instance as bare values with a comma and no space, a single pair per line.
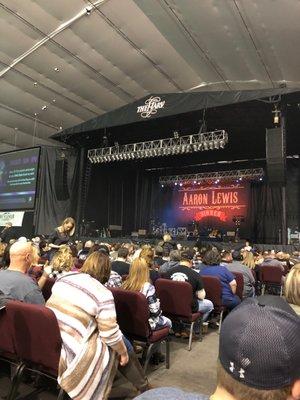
169,393
18,286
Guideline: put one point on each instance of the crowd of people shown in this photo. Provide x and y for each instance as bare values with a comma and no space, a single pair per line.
84,306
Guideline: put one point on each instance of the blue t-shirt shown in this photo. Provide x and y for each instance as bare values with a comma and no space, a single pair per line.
225,277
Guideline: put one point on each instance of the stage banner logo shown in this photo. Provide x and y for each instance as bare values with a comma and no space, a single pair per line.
212,205
151,106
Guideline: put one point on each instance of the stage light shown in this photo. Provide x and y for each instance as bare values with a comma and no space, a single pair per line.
222,144
260,179
194,182
175,183
240,179
162,186
180,184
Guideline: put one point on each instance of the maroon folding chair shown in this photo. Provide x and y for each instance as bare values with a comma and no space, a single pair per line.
8,352
47,288
213,289
176,300
37,340
132,316
239,284
270,276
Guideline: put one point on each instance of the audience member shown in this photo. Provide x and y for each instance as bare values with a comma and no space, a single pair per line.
83,253
292,288
175,258
14,281
158,260
183,272
168,243
7,233
91,336
212,260
61,235
62,262
232,261
248,259
148,255
270,260
248,367
121,266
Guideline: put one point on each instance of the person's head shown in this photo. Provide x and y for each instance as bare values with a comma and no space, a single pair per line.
63,259
211,257
123,253
138,275
226,256
103,248
68,226
159,251
249,260
259,351
8,225
88,244
97,265
292,285
148,255
186,257
94,248
175,255
167,237
166,253
236,255
21,256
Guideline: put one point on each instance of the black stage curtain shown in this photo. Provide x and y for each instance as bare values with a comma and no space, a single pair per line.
128,196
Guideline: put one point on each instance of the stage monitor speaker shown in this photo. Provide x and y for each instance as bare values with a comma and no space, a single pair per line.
61,179
276,155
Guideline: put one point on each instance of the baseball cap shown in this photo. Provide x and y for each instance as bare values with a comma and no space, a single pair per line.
187,255
259,343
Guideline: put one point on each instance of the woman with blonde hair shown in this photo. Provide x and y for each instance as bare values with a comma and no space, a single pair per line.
92,343
139,280
248,259
62,262
61,235
292,288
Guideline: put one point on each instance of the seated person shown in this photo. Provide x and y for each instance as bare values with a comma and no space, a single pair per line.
248,367
212,260
62,262
292,288
183,272
270,260
158,260
175,258
148,255
14,282
139,280
233,263
120,265
91,339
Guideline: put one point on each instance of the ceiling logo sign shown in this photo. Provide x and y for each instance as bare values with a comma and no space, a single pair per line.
151,106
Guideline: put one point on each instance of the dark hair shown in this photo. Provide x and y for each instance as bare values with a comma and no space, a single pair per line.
123,252
211,257
94,248
175,255
236,255
187,255
166,252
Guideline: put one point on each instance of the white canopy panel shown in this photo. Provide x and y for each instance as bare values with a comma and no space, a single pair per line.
63,62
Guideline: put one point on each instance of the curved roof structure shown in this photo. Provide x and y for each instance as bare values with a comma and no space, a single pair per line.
65,62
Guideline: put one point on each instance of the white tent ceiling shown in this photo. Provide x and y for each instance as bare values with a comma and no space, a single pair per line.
63,62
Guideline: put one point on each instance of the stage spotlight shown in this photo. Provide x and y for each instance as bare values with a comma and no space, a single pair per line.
175,183
180,184
240,179
211,145
205,144
162,186
217,144
194,182
260,179
222,144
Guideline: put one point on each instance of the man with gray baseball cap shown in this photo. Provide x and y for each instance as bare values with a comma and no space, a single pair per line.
259,355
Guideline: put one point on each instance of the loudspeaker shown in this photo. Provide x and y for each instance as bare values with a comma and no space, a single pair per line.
61,179
276,156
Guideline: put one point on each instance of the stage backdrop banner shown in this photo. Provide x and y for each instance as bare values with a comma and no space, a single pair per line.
214,206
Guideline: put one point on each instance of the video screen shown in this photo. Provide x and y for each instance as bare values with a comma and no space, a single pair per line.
18,179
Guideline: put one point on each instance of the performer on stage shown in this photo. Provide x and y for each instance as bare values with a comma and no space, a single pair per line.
61,235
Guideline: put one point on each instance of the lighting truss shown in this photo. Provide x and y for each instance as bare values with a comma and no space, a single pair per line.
213,177
161,147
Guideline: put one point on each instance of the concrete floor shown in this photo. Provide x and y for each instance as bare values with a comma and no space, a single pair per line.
193,371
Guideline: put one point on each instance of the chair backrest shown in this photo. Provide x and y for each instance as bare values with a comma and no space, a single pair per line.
36,333
213,289
239,284
47,288
270,274
6,334
132,313
176,298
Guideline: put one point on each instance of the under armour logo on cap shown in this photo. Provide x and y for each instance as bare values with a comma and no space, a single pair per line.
231,366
